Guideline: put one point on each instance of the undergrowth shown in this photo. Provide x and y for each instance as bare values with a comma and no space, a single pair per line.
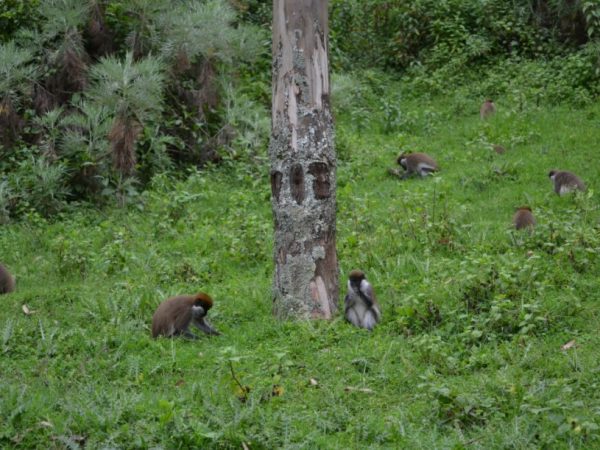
470,353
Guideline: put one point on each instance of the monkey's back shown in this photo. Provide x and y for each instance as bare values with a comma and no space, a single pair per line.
487,109
421,163
172,315
565,182
7,281
523,218
499,149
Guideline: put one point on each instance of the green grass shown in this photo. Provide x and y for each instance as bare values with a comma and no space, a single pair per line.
474,316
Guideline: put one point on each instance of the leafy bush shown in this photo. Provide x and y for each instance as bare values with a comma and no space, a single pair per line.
110,93
17,13
459,32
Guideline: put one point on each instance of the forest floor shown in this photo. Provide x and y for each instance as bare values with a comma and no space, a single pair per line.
489,337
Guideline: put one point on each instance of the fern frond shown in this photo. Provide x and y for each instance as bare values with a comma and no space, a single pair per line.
16,69
128,88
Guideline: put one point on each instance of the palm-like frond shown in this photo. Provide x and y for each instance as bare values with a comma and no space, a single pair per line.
49,123
130,89
144,36
16,70
63,16
205,29
249,119
133,91
61,49
86,137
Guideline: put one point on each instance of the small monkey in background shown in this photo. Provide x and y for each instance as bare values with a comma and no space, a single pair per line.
565,182
7,281
173,316
499,149
487,109
523,218
362,309
419,163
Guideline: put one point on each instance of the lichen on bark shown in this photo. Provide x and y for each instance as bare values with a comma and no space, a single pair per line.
303,163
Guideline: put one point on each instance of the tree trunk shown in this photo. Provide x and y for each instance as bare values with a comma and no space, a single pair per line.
303,163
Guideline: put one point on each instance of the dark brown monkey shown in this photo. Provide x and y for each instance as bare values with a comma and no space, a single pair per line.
7,281
498,149
565,182
419,163
487,109
523,218
173,316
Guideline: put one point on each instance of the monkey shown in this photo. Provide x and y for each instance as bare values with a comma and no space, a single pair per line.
174,315
419,163
7,281
523,218
499,149
362,309
565,182
487,109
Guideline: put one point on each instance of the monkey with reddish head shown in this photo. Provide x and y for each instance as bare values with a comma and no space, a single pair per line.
174,316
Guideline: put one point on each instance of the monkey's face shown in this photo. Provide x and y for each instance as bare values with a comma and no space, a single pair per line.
198,311
552,174
355,279
200,307
402,161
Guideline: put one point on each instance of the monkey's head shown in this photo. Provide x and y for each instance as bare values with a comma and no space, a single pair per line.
356,276
524,207
204,300
202,303
552,173
401,160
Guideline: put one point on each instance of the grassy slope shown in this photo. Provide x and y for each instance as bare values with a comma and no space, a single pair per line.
468,353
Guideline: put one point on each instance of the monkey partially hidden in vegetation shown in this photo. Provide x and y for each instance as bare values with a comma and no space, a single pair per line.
173,316
7,281
419,163
523,218
362,308
487,109
499,149
565,182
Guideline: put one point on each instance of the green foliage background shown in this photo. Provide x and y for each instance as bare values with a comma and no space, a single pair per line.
474,314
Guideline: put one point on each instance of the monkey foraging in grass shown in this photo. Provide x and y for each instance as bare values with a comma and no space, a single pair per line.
174,316
7,281
523,218
565,182
487,109
417,163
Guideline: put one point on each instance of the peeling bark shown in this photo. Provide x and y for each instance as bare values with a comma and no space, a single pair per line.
303,163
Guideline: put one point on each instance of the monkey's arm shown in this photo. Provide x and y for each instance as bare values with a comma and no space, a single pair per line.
366,293
349,302
188,335
203,325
